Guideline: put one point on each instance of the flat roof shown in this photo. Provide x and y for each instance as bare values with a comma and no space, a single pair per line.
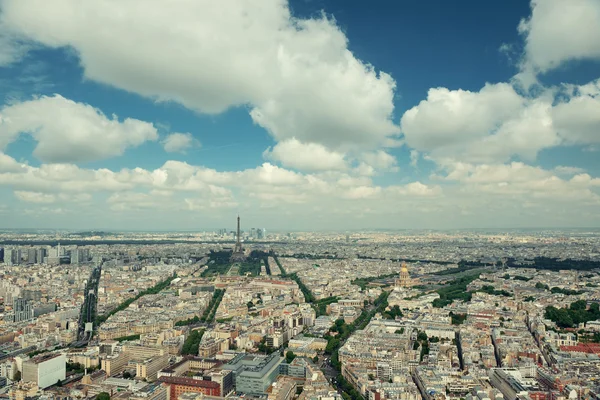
177,380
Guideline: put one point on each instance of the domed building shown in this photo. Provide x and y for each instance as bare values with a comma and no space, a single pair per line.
404,280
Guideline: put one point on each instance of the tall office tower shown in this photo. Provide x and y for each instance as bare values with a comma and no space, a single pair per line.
12,257
259,233
22,310
31,256
8,257
75,257
1,254
41,255
252,233
84,255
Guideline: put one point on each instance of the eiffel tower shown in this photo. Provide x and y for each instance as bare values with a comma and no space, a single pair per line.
238,252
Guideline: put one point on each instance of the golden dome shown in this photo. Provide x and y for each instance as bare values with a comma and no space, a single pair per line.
404,268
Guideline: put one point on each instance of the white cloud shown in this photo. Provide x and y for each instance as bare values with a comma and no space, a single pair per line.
11,49
35,197
129,201
566,170
481,195
46,198
361,192
380,160
521,181
306,156
415,189
179,142
558,31
67,131
203,204
451,117
297,75
491,125
578,120
414,158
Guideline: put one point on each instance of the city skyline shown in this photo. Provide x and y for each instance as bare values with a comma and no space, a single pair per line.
324,116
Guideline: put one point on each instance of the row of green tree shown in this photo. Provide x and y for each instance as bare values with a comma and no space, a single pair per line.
264,348
555,264
189,321
127,338
489,289
321,305
344,330
348,391
574,315
283,273
557,290
209,313
218,263
392,313
517,278
192,342
305,256
461,268
457,319
363,282
308,296
423,343
100,319
454,290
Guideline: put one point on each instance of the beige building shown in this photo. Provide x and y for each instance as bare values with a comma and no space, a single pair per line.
148,368
115,363
211,347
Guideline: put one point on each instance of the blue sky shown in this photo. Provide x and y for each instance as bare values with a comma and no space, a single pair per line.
336,114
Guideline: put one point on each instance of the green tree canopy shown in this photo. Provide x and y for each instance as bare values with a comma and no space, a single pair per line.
103,396
289,356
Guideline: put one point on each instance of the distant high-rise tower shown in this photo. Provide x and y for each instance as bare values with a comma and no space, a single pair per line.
41,255
32,256
22,310
238,251
404,278
12,257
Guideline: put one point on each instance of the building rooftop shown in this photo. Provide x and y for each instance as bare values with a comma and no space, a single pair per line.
176,380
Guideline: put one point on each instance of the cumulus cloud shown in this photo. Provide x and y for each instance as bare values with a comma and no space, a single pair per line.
558,31
35,197
414,158
380,160
519,180
578,119
297,75
179,142
465,189
67,131
491,125
130,201
46,198
415,189
306,156
450,117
